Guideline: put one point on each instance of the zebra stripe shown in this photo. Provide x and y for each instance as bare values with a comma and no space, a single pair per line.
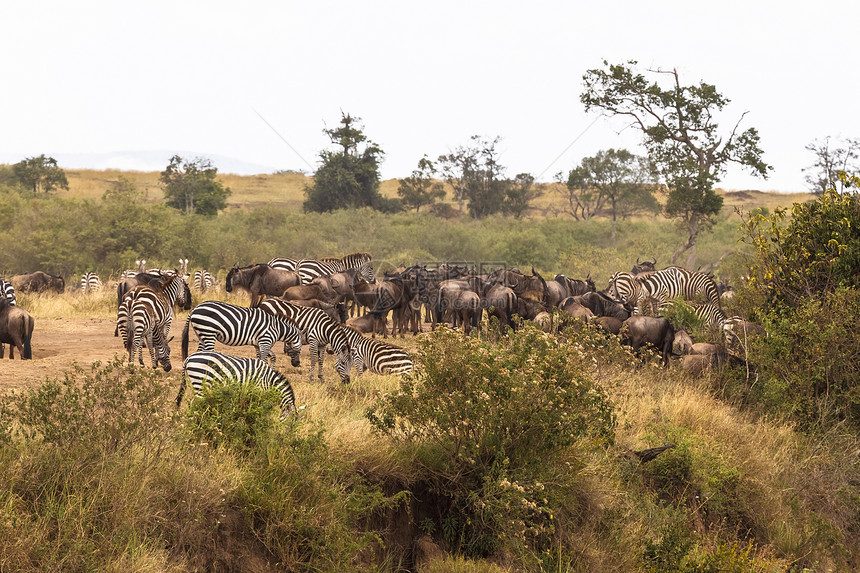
284,264
239,326
377,356
626,289
146,313
203,281
7,291
318,330
216,368
91,283
309,269
674,282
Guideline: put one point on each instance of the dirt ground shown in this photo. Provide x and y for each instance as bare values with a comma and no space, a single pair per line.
58,343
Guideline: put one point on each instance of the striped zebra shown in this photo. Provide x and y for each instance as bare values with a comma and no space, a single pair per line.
713,316
129,273
145,314
282,263
377,356
318,330
7,292
91,283
239,326
662,286
214,368
309,269
204,281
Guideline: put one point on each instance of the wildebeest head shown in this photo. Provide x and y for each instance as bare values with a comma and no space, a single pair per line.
645,266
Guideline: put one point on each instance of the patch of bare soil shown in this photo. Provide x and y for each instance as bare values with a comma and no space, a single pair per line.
58,343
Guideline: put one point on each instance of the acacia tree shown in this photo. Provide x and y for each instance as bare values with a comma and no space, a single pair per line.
829,162
616,178
40,174
349,176
420,189
190,186
682,137
476,175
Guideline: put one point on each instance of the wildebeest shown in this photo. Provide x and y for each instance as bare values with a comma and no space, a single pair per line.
260,280
37,282
533,287
697,364
682,343
367,324
654,330
608,323
645,267
501,302
306,292
602,305
562,287
16,329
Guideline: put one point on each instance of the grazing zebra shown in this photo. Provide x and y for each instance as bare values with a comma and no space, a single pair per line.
319,330
663,285
238,326
204,281
377,356
309,269
7,292
146,313
214,367
91,283
282,263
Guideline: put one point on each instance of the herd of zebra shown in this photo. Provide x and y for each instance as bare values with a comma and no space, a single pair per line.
307,301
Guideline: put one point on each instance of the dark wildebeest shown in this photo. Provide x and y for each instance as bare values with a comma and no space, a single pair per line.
260,280
697,364
16,329
337,312
501,301
533,287
38,282
562,287
654,330
645,267
608,323
393,295
306,292
683,344
602,305
448,298
368,324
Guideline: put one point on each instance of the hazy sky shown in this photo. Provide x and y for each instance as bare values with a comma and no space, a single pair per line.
97,77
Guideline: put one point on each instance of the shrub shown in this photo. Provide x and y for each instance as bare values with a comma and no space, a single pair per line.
488,420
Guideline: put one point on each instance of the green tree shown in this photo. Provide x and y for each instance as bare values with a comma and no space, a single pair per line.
419,189
476,175
520,192
682,137
40,174
615,178
190,186
349,176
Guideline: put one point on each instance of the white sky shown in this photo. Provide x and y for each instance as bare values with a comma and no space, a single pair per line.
97,77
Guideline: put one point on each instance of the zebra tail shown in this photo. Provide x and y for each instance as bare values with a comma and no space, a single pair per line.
184,354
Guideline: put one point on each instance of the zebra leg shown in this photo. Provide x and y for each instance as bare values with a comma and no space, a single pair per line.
154,351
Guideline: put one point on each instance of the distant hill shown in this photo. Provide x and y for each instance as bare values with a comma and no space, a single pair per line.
144,161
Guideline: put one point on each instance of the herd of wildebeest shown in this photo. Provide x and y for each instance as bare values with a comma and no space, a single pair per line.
344,291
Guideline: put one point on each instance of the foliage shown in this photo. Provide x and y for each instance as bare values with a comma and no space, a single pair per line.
829,163
492,418
477,176
235,415
616,178
419,189
190,186
40,174
681,134
349,177
814,252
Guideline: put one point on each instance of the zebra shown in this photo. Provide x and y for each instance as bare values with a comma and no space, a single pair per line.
309,269
237,326
712,315
146,313
129,273
673,282
214,367
91,283
319,330
282,263
377,356
204,281
7,292
626,289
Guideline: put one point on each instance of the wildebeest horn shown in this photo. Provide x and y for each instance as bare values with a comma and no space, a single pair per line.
637,260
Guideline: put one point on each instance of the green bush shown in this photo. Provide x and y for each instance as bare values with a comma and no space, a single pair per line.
490,420
238,416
